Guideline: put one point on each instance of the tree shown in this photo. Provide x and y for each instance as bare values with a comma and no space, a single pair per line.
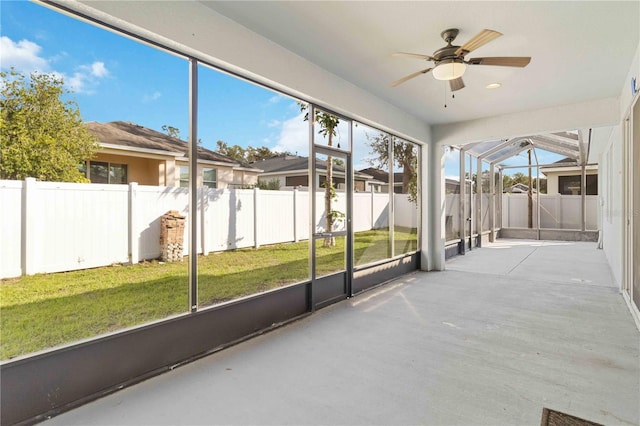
247,155
404,156
41,135
174,132
541,186
271,184
328,124
235,152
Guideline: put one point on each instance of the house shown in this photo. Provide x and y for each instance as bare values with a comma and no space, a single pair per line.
381,180
518,188
292,171
564,177
130,152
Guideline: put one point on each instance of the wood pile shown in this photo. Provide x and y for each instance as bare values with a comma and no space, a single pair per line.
172,236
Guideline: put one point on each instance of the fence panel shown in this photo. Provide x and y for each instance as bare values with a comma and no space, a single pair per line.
362,211
486,207
275,217
380,211
452,216
550,211
556,211
303,217
11,228
406,212
78,226
339,205
151,202
231,219
571,215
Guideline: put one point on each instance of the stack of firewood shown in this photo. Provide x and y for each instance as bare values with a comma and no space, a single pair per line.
171,236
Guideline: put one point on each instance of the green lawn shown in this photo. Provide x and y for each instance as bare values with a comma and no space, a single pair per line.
46,310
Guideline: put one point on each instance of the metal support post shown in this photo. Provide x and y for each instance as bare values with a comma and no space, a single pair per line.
193,185
463,185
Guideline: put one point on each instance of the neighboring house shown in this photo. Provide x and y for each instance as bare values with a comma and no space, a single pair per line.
381,180
518,188
132,153
563,177
292,171
451,186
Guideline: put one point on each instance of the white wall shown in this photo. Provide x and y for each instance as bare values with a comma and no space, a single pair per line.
612,182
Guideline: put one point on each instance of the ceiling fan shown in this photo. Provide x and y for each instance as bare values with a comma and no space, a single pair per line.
449,61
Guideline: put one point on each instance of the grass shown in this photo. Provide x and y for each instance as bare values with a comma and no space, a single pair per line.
46,310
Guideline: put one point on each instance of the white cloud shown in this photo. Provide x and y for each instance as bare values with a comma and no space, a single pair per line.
24,56
99,70
151,97
275,99
294,136
274,123
76,82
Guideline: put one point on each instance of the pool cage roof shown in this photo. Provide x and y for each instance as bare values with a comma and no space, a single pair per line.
572,144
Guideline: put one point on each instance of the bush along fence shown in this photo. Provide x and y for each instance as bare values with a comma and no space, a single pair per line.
53,227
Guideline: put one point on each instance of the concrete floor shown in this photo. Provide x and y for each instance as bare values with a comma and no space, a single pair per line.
505,331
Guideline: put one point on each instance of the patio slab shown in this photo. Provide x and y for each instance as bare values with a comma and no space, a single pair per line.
471,345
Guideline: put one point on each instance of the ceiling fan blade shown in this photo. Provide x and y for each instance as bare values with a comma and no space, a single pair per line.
409,77
513,61
480,39
456,84
413,55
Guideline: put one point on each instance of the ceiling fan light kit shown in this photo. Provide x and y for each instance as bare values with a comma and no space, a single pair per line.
449,70
450,63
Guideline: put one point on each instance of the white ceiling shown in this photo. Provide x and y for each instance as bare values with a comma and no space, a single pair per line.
580,50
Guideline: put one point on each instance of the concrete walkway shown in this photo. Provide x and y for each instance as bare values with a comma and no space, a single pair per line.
505,331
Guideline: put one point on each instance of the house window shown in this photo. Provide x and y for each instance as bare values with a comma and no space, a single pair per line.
570,185
184,176
103,172
209,178
297,181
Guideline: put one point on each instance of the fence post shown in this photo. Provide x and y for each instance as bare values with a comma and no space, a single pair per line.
204,206
373,222
295,215
29,232
558,211
256,191
134,244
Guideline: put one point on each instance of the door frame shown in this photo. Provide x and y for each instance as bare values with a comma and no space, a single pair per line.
337,286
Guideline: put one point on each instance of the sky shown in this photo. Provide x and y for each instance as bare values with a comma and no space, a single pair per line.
115,78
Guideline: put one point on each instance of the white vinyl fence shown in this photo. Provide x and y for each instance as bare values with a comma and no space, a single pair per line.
556,212
52,227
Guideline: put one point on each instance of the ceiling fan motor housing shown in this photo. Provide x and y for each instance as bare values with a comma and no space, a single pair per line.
449,35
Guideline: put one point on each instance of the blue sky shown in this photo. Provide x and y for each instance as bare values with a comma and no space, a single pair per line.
115,78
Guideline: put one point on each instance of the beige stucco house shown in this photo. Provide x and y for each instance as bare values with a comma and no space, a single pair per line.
133,153
563,177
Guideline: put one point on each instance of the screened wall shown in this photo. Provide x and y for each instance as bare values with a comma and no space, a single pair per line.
93,287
